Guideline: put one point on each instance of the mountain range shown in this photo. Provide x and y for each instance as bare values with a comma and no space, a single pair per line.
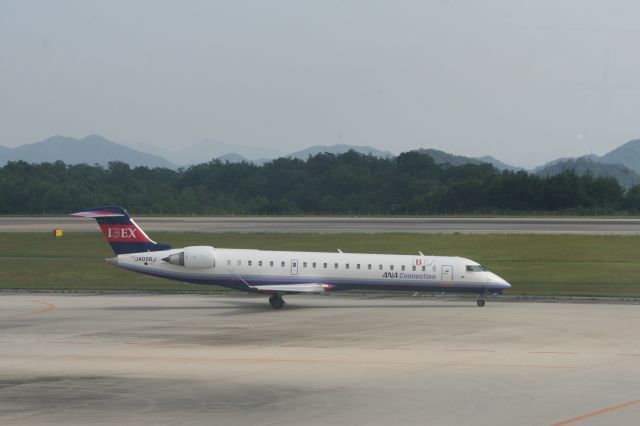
441,157
339,149
583,165
211,149
96,149
622,163
92,149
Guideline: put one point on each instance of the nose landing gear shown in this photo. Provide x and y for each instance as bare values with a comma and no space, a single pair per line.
481,297
276,302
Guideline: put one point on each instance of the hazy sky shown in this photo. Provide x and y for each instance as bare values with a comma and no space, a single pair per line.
524,81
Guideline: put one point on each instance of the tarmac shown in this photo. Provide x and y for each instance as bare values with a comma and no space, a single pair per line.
469,225
78,359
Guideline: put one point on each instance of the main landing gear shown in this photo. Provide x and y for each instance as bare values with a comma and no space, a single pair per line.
480,303
276,302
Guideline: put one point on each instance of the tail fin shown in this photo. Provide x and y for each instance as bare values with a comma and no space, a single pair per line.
122,232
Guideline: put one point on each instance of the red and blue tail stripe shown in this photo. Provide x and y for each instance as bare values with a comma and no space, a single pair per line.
122,232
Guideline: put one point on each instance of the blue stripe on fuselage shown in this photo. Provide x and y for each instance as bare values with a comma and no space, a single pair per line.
237,283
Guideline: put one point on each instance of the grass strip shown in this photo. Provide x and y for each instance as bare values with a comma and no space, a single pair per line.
544,265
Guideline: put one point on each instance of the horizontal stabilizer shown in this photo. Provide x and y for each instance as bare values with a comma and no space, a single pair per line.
97,214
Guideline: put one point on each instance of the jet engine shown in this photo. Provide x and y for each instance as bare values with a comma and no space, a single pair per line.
194,257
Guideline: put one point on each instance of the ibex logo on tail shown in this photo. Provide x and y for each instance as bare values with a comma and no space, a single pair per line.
123,233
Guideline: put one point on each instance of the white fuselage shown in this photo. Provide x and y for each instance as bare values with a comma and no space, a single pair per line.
257,270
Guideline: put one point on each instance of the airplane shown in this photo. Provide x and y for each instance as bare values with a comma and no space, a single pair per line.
278,273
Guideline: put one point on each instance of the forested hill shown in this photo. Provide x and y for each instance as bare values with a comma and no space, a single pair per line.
326,183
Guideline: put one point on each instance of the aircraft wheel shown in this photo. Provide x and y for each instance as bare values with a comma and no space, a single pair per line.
480,303
276,302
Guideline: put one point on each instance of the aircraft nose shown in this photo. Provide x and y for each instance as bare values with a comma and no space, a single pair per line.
495,279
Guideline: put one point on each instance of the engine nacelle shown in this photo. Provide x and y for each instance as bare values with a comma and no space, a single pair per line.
194,257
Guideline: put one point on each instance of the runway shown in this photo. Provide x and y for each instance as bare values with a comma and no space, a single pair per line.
325,360
342,224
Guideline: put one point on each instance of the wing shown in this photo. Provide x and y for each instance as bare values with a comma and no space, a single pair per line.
292,288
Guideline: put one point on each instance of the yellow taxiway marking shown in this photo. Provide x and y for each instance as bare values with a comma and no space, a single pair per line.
597,413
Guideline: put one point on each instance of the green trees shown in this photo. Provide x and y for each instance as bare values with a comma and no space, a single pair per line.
326,183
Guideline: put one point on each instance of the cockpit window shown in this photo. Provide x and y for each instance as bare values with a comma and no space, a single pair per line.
476,268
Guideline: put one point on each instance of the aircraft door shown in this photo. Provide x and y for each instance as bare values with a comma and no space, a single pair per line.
294,266
447,273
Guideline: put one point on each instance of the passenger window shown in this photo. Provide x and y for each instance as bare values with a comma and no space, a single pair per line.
249,263
282,264
402,267
325,266
335,266
424,268
358,266
380,267
391,267
413,268
313,264
304,264
271,263
346,266
260,263
239,262
229,262
369,266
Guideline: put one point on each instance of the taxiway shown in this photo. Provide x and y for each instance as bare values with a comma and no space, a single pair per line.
342,224
326,360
